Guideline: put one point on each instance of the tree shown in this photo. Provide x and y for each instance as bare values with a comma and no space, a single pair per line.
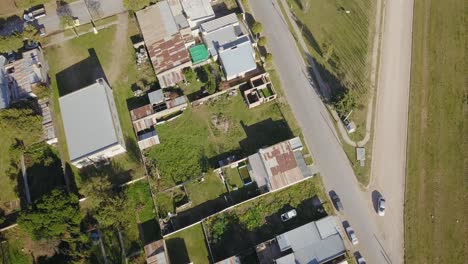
12,42
210,85
257,28
262,41
53,216
189,74
21,123
268,58
135,5
344,101
114,212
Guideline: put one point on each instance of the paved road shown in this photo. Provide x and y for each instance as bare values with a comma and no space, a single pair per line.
320,136
389,160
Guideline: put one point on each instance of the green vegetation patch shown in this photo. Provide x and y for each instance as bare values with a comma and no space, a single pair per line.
206,134
436,181
209,189
258,220
188,246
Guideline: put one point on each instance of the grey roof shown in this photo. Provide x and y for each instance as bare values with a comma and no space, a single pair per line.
88,120
295,143
218,38
219,23
156,97
302,164
258,170
4,94
156,22
238,59
197,9
288,259
315,242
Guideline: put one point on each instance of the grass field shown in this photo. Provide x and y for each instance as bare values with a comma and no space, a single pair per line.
436,214
188,246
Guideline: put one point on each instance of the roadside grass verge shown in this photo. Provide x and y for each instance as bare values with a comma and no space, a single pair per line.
437,155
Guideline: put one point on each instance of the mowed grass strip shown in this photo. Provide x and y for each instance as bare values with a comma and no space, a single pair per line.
188,246
436,183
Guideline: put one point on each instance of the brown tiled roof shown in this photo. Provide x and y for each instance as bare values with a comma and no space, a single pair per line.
168,53
141,112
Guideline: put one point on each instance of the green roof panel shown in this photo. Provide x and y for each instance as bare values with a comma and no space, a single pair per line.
199,53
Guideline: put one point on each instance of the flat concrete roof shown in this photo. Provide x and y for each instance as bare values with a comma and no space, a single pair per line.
88,120
197,9
156,22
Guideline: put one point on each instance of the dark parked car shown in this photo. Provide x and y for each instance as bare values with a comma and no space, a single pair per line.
337,202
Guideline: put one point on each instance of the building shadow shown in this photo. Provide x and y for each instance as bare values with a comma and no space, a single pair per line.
81,74
263,134
149,231
117,175
177,250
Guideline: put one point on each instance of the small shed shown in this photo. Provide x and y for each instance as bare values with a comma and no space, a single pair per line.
199,53
361,155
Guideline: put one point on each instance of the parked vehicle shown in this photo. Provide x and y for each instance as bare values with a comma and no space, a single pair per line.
337,202
288,215
361,260
351,235
381,206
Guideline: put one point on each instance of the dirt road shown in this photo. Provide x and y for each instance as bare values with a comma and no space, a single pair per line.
391,121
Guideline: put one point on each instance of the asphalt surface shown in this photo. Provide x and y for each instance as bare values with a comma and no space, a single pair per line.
391,120
320,136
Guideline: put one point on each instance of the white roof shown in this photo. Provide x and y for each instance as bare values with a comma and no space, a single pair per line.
4,94
88,120
238,59
197,9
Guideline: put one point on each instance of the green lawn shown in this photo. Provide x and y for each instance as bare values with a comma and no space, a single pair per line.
188,246
192,143
233,178
209,189
436,214
256,221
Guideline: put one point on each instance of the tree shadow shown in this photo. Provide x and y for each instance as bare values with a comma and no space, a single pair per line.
116,173
179,253
81,74
309,36
221,9
264,133
11,25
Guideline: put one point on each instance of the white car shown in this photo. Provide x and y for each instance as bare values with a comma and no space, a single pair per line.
351,235
288,215
381,206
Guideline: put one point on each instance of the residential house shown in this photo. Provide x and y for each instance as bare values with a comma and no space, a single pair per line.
91,124
155,253
48,130
316,242
260,90
144,118
225,40
166,38
279,165
197,11
19,75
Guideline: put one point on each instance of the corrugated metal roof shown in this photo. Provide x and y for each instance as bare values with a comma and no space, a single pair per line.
309,247
219,23
219,38
156,22
88,120
238,60
199,53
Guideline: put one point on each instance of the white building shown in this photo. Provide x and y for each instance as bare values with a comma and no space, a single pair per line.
91,124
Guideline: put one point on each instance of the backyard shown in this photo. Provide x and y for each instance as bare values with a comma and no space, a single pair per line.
204,135
79,62
248,224
436,181
188,246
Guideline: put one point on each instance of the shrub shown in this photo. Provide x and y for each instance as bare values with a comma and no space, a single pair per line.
257,28
189,74
262,41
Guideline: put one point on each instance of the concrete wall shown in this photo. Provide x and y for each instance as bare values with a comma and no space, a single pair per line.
109,152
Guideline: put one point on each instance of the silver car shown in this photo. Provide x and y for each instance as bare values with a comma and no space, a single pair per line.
381,206
351,235
288,215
